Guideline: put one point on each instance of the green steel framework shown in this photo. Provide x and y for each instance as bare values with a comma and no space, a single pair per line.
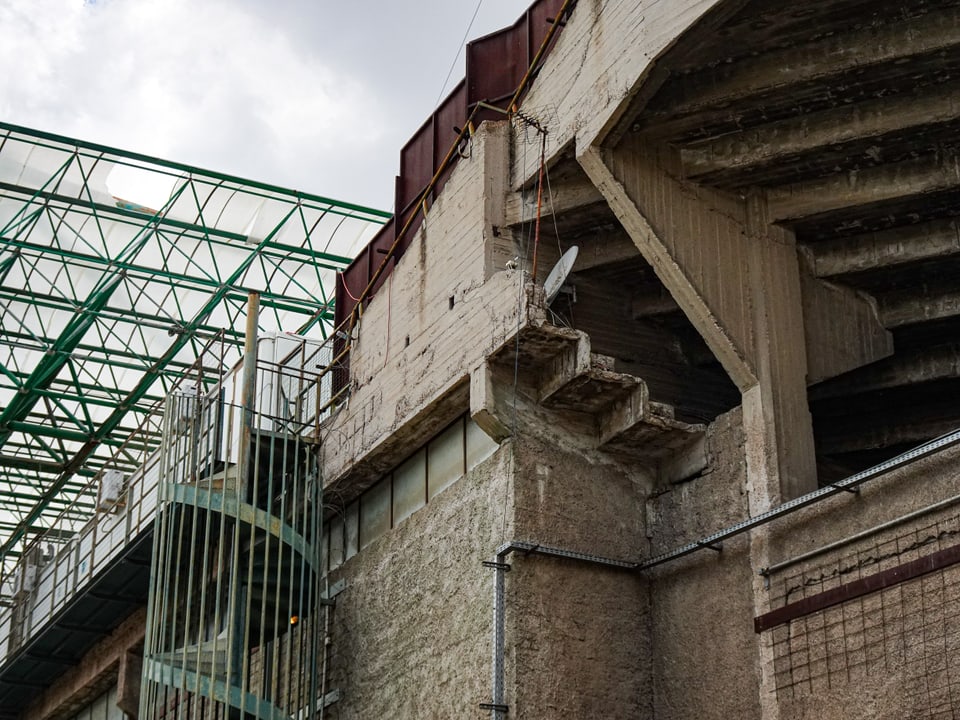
105,302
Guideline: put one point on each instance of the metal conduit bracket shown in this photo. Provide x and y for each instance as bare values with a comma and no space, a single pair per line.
716,546
854,489
496,707
329,597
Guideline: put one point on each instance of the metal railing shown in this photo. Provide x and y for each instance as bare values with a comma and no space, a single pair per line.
63,561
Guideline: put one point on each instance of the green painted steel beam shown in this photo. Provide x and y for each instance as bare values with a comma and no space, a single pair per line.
15,462
119,315
88,388
31,497
342,208
120,412
57,238
92,351
55,360
142,272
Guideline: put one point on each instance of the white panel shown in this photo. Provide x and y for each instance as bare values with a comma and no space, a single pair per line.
409,487
375,512
98,709
353,528
479,445
445,459
325,550
336,541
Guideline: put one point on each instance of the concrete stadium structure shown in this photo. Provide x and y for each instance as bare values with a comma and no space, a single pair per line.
714,476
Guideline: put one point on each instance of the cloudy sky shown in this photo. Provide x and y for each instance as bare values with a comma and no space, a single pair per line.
316,95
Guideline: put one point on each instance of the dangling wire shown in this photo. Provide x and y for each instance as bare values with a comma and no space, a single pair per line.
556,232
536,232
457,56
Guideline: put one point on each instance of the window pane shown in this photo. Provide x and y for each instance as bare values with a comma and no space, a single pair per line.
445,458
409,487
479,445
336,541
353,529
375,512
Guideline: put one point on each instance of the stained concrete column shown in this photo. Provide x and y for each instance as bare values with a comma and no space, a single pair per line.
737,279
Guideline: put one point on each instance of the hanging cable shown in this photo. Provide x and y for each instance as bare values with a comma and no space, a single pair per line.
457,56
536,231
556,231
343,281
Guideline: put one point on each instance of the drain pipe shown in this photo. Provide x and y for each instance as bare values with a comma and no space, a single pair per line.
497,707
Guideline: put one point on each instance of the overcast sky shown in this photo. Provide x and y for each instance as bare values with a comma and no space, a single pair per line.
313,95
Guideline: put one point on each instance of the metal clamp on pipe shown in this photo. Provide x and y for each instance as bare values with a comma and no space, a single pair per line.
497,565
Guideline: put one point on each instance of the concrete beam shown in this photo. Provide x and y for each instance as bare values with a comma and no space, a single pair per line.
623,414
736,277
564,195
915,306
845,192
727,348
483,406
897,432
732,159
886,248
842,329
604,248
572,360
686,464
900,370
652,304
129,682
96,672
865,50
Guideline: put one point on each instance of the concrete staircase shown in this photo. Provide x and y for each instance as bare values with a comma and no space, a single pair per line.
557,366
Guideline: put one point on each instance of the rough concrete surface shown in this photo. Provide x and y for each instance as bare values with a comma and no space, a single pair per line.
578,633
411,634
705,661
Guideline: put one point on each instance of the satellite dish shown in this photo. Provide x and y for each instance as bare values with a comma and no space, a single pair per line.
558,275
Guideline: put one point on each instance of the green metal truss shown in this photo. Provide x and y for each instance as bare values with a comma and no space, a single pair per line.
107,297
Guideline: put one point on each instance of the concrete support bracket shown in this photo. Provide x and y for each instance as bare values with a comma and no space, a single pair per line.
623,414
572,361
483,408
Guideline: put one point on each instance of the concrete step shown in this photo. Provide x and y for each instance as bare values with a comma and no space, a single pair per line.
569,377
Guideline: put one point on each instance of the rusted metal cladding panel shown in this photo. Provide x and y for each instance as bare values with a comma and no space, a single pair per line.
496,64
353,281
422,156
452,114
416,165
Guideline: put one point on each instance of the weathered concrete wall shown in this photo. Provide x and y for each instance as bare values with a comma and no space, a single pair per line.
412,631
435,319
704,649
578,633
595,68
885,654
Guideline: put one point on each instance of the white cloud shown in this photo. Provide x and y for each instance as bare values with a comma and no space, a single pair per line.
303,93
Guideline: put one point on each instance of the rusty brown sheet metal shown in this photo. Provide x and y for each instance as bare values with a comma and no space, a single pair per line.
496,64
